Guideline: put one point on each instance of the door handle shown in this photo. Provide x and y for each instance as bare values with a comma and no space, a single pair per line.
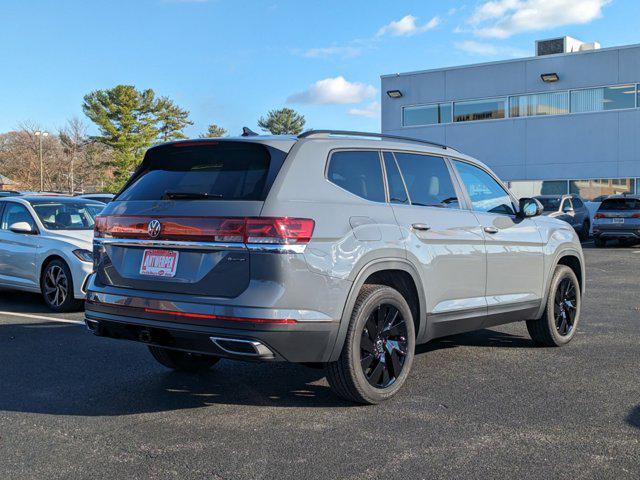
491,230
420,226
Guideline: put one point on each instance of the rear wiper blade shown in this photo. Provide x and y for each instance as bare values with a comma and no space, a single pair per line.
191,196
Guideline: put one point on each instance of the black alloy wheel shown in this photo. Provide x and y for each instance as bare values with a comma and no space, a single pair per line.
383,346
565,307
56,285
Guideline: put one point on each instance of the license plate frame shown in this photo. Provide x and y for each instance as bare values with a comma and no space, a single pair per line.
617,220
159,263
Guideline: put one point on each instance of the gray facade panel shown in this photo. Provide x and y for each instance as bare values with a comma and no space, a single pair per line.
485,81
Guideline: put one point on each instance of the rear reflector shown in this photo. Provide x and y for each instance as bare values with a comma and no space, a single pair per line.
281,231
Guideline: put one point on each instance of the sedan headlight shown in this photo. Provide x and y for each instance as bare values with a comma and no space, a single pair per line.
84,255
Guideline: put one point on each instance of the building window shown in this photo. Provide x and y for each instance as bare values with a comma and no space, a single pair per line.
604,98
480,110
594,188
555,103
426,114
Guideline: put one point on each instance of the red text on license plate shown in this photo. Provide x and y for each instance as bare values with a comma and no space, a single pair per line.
159,263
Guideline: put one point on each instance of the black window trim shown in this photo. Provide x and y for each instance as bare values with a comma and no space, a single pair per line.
514,201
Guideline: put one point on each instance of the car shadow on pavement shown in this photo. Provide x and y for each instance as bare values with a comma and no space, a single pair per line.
633,418
60,369
478,338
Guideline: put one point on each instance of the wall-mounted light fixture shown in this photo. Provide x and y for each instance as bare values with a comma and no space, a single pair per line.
549,77
394,93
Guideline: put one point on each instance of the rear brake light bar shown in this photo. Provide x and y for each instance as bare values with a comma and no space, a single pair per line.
260,230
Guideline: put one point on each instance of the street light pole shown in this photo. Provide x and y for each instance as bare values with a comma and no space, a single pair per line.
40,135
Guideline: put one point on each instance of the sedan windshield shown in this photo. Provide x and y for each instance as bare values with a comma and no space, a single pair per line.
549,204
67,216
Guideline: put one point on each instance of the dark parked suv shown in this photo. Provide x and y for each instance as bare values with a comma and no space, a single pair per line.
325,249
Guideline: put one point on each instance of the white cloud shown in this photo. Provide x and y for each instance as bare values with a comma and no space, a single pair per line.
488,49
407,26
344,52
333,91
504,18
370,111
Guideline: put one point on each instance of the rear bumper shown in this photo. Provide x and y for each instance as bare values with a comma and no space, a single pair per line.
300,342
604,233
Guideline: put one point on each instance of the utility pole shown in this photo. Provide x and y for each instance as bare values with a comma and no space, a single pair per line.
40,135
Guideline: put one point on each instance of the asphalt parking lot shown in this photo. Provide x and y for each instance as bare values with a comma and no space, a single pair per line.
481,405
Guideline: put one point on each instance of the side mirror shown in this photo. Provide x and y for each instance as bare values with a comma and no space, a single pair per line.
21,227
529,207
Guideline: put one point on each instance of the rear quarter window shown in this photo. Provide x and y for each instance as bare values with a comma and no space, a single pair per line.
358,172
224,170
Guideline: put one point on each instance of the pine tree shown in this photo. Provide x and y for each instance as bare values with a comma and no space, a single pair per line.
283,121
171,120
214,131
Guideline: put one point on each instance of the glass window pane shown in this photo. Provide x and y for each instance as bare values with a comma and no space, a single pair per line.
445,112
428,180
601,99
485,193
479,109
532,188
359,173
397,192
555,103
420,115
16,213
591,189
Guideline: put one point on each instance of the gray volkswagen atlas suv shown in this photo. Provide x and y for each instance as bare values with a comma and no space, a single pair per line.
336,249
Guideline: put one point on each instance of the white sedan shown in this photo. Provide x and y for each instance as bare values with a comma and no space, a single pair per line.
46,246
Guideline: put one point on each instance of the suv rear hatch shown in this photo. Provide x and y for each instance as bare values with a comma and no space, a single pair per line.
181,223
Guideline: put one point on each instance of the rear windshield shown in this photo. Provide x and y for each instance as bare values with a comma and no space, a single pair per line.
549,204
206,171
620,204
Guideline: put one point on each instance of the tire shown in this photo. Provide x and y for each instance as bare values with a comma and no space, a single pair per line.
381,332
599,242
584,232
56,286
561,316
183,361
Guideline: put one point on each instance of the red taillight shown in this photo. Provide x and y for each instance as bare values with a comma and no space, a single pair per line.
283,231
635,215
599,215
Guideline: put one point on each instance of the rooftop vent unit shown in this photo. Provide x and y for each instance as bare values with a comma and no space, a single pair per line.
552,46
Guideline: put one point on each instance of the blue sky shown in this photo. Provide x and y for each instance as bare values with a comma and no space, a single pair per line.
228,62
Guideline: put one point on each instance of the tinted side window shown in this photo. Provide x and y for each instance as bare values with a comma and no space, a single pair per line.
485,193
397,192
14,213
359,173
428,180
577,203
567,205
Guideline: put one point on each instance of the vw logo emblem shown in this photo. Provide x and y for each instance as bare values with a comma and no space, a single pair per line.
154,228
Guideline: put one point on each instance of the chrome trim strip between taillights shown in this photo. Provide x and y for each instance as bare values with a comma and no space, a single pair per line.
175,244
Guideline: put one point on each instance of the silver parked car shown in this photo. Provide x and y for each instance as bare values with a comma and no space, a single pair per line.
45,246
569,208
335,249
617,218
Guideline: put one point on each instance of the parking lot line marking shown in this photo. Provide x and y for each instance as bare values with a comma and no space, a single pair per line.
41,317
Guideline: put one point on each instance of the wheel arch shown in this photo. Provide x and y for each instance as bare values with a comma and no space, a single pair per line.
573,259
397,273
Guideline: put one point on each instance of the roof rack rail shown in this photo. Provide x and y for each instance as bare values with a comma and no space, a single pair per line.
310,133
